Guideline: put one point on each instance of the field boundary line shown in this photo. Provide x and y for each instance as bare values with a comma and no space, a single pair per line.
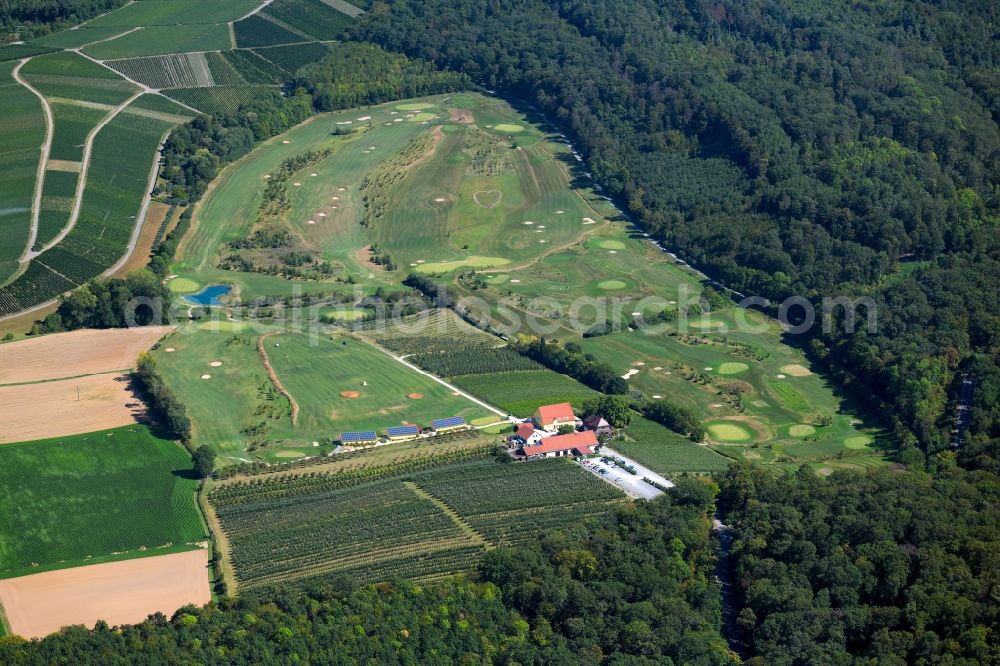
223,551
274,376
252,12
46,149
460,522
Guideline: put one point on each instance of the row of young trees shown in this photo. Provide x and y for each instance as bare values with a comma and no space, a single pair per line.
168,409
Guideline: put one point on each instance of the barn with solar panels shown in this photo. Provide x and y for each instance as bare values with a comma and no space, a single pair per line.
402,433
451,423
359,438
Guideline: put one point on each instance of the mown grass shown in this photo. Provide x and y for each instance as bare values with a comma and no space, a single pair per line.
521,393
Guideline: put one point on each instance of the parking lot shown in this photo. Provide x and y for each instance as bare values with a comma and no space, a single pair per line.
630,483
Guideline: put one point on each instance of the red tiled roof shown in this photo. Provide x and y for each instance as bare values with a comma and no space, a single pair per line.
581,441
524,431
549,413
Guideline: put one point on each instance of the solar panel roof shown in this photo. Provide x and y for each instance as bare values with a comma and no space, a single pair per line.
446,423
358,436
402,430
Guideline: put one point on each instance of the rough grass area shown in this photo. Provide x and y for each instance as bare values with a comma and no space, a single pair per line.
521,393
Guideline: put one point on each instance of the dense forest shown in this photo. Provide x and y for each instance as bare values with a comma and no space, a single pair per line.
786,148
632,588
897,567
24,19
350,76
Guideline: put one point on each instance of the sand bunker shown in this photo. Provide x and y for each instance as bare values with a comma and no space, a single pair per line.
297,184
796,370
780,376
286,141
440,200
415,396
322,215
589,220
630,373
310,221
350,394
215,364
170,349
560,212
341,189
206,376
657,397
487,198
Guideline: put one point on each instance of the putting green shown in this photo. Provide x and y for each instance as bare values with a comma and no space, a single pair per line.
508,127
609,285
733,368
801,430
414,106
475,261
612,245
421,117
497,279
730,431
289,454
858,442
183,286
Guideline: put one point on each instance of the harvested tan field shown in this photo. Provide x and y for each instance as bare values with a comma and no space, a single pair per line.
76,353
123,592
56,409
139,258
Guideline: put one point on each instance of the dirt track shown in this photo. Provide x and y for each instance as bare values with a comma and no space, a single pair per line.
55,409
77,353
118,592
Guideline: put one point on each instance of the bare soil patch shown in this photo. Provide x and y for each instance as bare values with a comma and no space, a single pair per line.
76,353
274,377
350,395
68,407
139,258
463,116
123,592
796,370
415,396
364,257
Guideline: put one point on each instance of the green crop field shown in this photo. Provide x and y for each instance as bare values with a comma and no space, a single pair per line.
72,124
21,135
174,12
71,39
94,497
405,523
521,393
70,76
664,451
161,39
116,184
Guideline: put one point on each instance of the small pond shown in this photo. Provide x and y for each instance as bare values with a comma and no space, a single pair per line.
208,296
